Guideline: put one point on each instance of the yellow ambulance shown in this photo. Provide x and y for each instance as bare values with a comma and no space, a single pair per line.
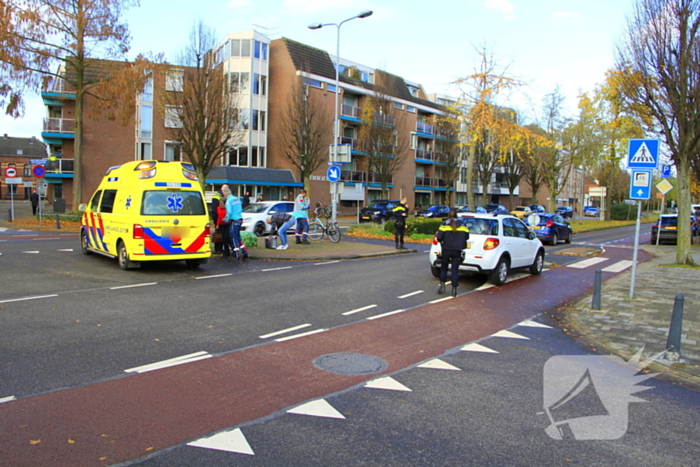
147,211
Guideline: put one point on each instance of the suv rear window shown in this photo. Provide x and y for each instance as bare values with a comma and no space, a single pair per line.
480,226
172,203
669,221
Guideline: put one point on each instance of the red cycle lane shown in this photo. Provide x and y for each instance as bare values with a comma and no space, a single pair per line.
132,417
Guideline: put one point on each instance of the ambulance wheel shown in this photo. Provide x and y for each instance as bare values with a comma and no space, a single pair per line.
84,242
123,257
193,263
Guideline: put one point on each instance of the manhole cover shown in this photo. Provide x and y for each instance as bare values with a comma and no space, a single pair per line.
350,363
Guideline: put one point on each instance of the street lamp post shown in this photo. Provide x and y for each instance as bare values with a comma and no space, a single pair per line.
336,123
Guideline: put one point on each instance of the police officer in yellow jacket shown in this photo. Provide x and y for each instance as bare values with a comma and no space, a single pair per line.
453,236
400,215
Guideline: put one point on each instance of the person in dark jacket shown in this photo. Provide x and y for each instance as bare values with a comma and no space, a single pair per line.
281,222
34,199
400,215
453,236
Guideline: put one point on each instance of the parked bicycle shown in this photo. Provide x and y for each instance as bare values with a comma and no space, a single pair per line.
318,230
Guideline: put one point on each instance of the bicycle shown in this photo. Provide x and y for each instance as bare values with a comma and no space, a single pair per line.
317,229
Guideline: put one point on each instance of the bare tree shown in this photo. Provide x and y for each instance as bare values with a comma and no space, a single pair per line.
480,91
201,114
660,61
386,152
306,130
45,39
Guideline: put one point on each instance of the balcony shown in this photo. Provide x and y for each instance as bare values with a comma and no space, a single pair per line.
425,154
383,119
351,111
59,168
353,176
355,144
374,178
426,128
58,88
428,182
61,126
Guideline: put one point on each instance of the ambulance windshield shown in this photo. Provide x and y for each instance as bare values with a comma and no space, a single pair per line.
172,203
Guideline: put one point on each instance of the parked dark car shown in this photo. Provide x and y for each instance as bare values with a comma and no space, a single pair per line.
549,227
537,208
565,211
378,210
669,229
496,209
436,211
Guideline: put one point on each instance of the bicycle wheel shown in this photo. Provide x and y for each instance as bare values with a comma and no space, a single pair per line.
315,230
334,233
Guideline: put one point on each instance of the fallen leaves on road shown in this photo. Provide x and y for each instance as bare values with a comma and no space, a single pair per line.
34,441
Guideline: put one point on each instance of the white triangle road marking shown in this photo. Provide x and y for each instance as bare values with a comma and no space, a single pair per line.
438,364
533,324
230,441
387,382
474,347
317,408
509,335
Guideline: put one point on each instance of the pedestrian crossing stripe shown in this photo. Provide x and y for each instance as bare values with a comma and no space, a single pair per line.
388,383
619,266
586,263
229,441
643,155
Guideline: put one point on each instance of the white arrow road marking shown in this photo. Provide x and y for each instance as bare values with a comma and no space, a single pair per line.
533,324
386,382
230,441
509,335
438,364
31,252
474,347
586,263
317,408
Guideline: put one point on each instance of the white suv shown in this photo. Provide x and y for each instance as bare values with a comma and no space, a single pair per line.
497,244
255,214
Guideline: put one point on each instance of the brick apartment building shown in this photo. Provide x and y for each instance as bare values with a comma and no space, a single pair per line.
20,154
263,73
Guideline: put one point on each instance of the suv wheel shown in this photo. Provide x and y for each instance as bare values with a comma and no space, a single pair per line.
435,271
555,239
500,274
538,264
259,229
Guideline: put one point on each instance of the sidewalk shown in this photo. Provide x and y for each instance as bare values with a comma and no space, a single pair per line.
624,325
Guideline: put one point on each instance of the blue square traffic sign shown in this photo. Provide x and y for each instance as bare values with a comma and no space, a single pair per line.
640,185
643,154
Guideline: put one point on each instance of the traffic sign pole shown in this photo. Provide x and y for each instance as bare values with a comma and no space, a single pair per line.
636,247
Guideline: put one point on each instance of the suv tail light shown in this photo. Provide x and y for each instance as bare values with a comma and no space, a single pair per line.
550,223
138,232
435,240
491,243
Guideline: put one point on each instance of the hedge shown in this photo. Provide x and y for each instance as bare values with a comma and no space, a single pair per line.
416,226
623,212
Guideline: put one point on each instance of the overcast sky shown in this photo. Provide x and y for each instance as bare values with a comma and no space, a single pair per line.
545,43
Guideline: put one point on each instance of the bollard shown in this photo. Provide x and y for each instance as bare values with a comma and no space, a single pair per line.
673,344
58,223
596,289
9,215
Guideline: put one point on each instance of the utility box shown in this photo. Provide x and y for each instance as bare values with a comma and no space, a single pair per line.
59,206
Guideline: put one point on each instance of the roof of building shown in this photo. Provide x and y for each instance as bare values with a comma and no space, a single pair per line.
22,147
254,175
318,62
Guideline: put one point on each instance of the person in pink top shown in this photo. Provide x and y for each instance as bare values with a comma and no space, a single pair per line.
223,227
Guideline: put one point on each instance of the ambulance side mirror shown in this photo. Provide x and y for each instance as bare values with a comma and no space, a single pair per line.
82,207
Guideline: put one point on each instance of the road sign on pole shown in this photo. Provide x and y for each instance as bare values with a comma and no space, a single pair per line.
643,154
39,171
333,174
640,186
10,172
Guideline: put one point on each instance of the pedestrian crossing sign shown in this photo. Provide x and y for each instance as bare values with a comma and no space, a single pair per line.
643,154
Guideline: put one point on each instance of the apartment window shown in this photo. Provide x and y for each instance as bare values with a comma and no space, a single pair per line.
244,119
413,90
264,52
174,80
172,117
260,50
27,170
331,87
235,48
312,82
238,156
144,151
410,109
258,121
259,84
245,48
239,82
147,93
146,121
398,106
254,156
173,151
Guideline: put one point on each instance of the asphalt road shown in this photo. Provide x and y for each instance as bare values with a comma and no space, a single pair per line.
96,321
